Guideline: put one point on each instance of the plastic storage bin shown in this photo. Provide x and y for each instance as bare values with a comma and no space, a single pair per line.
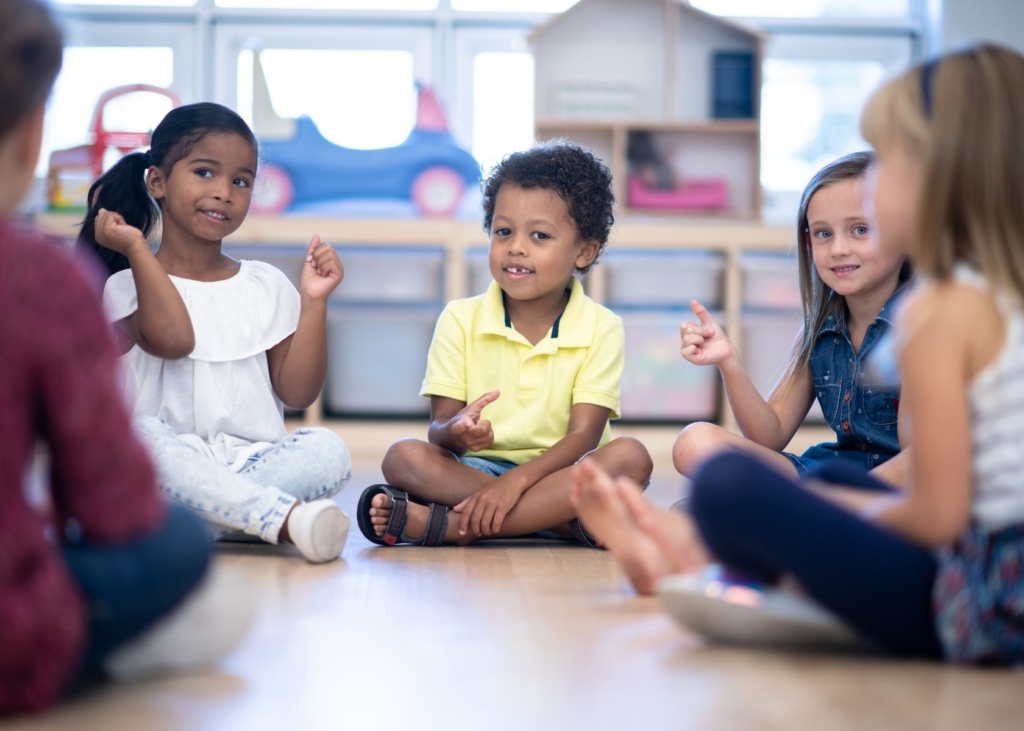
770,282
391,274
657,384
478,271
664,278
377,357
767,346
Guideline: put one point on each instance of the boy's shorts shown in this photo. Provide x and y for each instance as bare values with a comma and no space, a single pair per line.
492,467
498,467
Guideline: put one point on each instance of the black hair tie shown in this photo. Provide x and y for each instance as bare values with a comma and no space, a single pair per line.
147,158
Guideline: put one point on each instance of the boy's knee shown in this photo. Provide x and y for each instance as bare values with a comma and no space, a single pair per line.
695,444
401,456
631,458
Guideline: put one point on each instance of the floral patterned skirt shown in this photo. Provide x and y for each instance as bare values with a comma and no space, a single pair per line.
978,597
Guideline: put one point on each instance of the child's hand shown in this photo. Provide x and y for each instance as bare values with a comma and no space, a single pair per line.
704,344
113,233
469,432
484,511
322,272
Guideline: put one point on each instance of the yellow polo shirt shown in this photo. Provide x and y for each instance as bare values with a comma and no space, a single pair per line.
476,349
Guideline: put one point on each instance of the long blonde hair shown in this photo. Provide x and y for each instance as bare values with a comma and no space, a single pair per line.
962,116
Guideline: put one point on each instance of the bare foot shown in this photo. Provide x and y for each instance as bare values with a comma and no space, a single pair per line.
416,517
675,534
606,517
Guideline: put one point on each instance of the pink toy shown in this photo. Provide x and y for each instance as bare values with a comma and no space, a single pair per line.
691,195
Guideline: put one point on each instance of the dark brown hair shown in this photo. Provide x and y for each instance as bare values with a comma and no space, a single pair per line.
31,51
571,171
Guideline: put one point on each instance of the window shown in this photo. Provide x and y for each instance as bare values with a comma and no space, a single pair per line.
814,88
807,8
137,3
502,105
369,101
332,4
514,6
89,71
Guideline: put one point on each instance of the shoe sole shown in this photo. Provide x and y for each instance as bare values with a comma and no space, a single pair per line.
329,533
779,619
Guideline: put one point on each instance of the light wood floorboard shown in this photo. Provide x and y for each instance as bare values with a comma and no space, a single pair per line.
513,636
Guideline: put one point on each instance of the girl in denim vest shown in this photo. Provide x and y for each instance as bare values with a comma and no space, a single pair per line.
848,289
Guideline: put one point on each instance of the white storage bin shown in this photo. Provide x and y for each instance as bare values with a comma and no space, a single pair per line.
391,274
286,257
770,281
664,278
377,357
657,383
767,346
478,271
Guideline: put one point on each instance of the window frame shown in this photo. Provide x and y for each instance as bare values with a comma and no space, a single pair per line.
206,39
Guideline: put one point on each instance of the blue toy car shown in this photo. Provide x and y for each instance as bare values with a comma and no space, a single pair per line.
301,167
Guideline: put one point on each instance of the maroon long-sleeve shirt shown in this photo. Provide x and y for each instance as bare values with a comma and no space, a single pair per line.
57,386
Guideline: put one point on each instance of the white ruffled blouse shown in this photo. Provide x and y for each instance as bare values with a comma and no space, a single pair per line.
220,398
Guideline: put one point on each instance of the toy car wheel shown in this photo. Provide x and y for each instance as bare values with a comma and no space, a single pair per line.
273,191
437,191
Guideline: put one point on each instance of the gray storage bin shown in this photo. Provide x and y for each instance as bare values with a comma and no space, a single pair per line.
478,271
664,278
377,357
391,274
767,346
770,281
657,383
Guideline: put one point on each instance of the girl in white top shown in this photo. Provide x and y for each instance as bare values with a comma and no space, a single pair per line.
938,569
214,347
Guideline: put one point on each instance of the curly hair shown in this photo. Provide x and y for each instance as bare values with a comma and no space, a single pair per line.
571,171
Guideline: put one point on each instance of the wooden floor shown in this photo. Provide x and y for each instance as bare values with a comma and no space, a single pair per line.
513,636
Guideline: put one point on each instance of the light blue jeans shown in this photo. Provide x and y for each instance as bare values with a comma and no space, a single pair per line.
308,464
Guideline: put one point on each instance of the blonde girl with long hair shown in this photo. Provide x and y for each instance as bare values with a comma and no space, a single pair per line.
938,569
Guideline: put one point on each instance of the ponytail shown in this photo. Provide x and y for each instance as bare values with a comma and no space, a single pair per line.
121,189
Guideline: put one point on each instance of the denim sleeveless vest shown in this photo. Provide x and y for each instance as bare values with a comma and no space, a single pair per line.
859,402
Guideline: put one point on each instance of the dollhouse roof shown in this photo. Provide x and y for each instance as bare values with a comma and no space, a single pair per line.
684,6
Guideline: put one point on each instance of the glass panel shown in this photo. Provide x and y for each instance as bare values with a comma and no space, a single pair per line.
88,71
502,105
332,4
810,115
361,99
146,3
807,8
514,6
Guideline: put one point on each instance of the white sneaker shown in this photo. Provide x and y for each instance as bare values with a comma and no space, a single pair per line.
319,529
210,623
730,611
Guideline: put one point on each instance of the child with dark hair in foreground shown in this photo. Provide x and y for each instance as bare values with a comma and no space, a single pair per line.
523,379
84,588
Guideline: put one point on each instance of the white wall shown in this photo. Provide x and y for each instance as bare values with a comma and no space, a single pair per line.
971,21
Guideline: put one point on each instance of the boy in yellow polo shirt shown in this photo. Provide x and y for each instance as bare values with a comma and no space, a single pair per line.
523,379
